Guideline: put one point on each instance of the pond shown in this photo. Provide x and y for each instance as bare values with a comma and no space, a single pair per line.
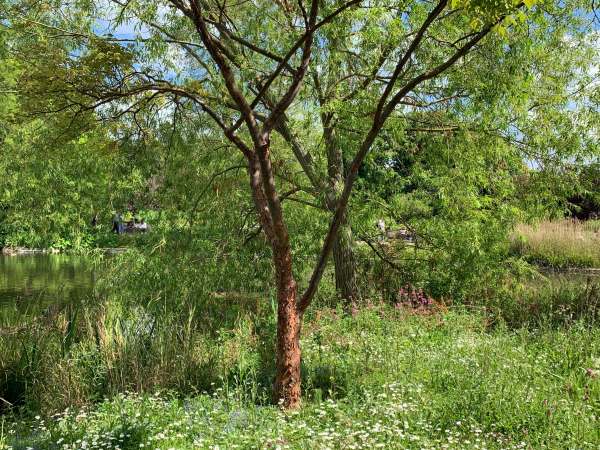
31,283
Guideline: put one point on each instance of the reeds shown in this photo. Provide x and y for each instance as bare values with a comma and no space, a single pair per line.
560,244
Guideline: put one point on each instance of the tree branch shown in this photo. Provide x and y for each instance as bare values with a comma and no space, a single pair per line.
195,13
411,49
287,99
293,50
378,123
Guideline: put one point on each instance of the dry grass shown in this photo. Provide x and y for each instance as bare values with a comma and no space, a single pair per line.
564,243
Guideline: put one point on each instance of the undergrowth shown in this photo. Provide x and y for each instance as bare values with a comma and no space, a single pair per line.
159,357
382,377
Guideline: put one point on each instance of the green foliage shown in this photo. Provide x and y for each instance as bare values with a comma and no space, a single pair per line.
50,201
482,12
60,168
443,172
456,196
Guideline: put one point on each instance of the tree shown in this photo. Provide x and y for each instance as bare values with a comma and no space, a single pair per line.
54,181
452,170
238,70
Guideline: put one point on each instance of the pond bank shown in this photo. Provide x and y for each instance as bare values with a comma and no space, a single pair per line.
20,251
10,251
573,270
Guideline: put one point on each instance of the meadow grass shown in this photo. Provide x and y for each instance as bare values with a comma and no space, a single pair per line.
381,377
553,299
560,244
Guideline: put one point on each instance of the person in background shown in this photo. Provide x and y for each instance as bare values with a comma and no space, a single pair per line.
117,223
129,226
121,224
143,226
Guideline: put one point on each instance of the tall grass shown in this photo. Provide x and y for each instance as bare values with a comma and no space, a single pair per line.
551,300
560,244
383,377
141,335
75,358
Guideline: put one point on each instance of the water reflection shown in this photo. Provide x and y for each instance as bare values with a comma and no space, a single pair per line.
39,280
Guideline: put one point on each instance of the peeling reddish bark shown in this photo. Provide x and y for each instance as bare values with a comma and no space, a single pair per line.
287,386
258,196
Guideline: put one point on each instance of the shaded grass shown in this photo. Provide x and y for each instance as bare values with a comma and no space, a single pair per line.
559,244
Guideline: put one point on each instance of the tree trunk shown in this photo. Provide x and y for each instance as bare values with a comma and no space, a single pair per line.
287,388
343,255
345,264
